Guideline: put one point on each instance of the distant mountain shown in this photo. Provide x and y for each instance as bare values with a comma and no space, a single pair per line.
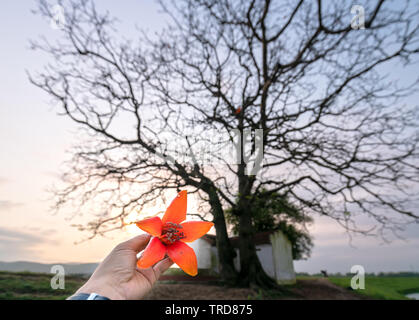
70,268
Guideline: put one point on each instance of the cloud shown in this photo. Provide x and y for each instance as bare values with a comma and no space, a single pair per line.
53,174
334,252
4,180
17,245
40,231
16,236
7,204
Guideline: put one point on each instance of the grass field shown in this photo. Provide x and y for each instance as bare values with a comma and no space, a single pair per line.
29,286
389,288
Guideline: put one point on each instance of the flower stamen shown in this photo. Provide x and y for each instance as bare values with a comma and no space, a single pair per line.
171,233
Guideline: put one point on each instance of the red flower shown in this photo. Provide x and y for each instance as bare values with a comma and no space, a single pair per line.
170,234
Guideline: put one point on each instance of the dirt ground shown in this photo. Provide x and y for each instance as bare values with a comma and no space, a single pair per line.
323,289
310,289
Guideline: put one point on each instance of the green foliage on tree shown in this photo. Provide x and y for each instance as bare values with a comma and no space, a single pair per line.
273,211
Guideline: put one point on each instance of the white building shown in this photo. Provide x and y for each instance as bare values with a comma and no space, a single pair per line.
273,249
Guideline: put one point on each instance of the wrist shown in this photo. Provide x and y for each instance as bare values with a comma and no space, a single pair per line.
87,296
103,289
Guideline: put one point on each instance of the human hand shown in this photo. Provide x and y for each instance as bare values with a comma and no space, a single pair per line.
118,278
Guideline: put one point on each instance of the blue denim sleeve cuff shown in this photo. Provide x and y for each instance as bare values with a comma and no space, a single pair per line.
87,296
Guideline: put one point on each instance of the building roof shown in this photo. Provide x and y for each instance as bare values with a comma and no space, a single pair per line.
259,238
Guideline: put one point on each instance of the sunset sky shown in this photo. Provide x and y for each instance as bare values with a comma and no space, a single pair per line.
33,145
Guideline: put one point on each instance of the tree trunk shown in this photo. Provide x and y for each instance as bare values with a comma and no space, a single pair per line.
226,253
251,271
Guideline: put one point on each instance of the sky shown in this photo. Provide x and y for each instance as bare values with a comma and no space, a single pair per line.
34,143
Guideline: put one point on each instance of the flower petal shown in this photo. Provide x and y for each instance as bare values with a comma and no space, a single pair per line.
176,212
193,230
154,252
184,257
152,226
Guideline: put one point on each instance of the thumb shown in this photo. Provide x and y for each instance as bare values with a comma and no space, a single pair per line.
137,243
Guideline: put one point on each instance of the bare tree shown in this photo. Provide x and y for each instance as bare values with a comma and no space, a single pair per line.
337,139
